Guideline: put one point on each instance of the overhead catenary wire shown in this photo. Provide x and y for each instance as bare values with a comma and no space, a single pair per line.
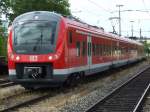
98,6
96,14
145,7
106,12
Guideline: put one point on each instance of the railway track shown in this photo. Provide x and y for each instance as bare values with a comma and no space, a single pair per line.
6,83
25,103
3,81
126,98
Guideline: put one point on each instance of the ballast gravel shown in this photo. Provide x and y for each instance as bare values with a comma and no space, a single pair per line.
80,105
80,98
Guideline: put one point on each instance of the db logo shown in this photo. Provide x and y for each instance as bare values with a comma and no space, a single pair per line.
33,58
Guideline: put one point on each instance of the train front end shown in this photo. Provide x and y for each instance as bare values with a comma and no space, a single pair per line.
33,56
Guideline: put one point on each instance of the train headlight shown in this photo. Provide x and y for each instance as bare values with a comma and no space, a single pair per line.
50,57
17,58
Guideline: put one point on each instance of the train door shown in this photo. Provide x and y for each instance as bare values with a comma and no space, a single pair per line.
89,56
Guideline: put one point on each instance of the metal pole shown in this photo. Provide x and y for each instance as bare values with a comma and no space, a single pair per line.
119,19
140,34
132,27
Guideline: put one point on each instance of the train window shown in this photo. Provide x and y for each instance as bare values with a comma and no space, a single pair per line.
94,49
83,49
114,50
97,49
107,50
70,37
78,48
110,50
89,49
104,50
100,50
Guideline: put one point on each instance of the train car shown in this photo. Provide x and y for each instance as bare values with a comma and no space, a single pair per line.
47,49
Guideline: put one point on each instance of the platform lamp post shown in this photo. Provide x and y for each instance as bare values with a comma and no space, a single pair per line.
119,5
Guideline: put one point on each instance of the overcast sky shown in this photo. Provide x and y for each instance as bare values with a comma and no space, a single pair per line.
98,12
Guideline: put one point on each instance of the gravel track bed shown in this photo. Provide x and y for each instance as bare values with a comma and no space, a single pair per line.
10,91
146,106
81,97
3,76
17,99
83,103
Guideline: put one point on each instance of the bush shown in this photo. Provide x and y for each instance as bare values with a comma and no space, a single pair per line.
3,46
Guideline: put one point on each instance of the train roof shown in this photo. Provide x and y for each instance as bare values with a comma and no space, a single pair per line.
98,30
46,15
37,15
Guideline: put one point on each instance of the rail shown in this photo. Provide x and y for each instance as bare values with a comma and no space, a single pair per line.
128,97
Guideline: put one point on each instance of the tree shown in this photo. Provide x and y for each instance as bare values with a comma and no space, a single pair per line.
146,48
4,7
13,8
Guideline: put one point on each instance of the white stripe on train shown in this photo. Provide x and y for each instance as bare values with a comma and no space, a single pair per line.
77,69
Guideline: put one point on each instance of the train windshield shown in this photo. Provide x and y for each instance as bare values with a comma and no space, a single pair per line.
35,37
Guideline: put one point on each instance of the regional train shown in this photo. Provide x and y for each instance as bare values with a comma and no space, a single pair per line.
47,49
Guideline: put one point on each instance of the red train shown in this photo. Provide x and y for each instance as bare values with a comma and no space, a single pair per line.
46,49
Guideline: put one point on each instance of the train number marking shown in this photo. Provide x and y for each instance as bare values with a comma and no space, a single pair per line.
33,58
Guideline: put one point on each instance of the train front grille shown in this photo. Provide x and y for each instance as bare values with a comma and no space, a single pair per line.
34,70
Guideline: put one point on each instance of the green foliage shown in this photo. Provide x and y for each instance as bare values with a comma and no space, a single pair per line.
147,48
21,6
4,7
3,46
3,39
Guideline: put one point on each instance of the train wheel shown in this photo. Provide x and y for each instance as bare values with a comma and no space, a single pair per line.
82,77
72,80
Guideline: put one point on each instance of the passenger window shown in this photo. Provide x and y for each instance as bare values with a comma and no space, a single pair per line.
83,49
104,50
89,49
97,49
70,37
100,50
78,48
